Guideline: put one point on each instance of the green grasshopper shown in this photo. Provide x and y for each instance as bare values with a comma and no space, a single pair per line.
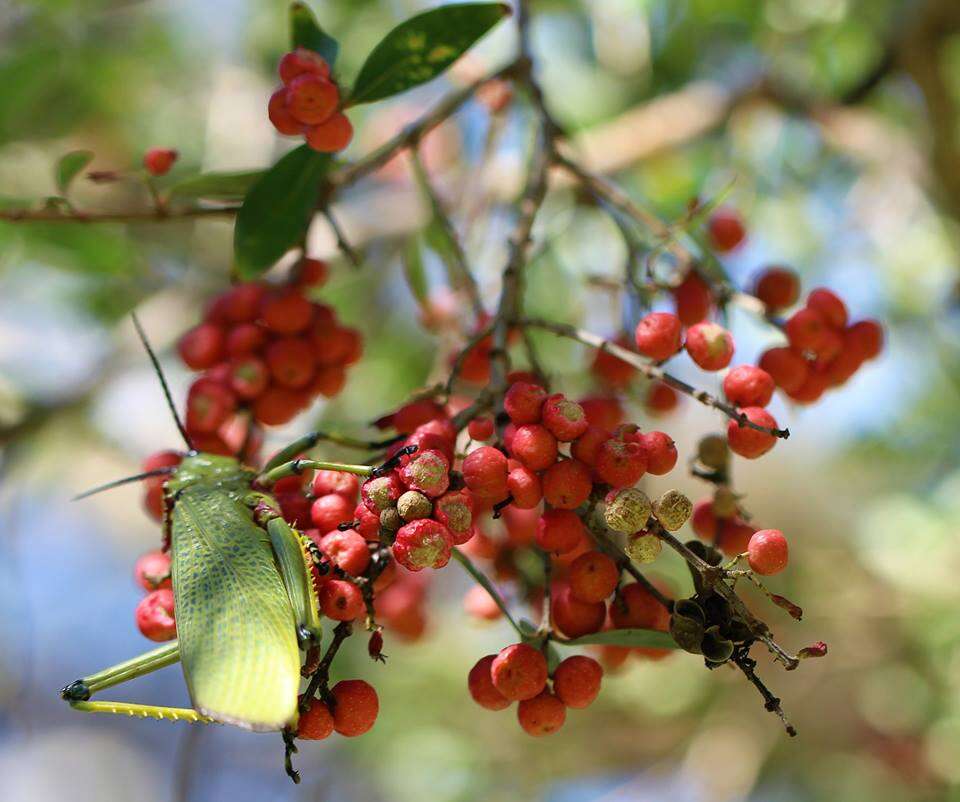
244,593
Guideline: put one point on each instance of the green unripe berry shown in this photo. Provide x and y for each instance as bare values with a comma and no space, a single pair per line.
712,451
626,510
413,505
390,519
672,509
642,547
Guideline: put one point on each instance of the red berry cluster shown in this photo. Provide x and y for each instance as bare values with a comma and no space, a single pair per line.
266,350
350,710
154,614
308,103
824,349
519,674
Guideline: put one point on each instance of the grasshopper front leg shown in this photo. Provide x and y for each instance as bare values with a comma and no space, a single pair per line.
78,693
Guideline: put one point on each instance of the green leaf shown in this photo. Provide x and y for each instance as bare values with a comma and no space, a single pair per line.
216,186
306,32
625,637
69,167
418,50
277,210
413,270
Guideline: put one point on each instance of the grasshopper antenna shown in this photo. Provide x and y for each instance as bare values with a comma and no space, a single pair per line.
163,381
125,481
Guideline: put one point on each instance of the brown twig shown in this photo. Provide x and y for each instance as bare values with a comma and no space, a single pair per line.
650,370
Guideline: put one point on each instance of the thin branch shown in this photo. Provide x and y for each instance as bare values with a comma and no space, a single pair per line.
746,664
651,371
342,242
458,258
484,581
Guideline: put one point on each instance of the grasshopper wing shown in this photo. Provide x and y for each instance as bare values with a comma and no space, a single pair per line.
236,628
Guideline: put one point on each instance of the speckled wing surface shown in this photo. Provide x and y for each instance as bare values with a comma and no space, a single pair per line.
235,625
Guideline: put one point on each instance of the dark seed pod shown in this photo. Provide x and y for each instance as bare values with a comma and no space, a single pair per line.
717,610
716,648
737,631
686,625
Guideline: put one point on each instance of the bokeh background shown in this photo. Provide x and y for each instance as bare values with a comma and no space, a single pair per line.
838,124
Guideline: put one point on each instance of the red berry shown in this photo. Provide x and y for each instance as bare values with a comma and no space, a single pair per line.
480,428
658,335
726,230
635,608
331,135
312,273
245,339
316,722
602,411
481,686
866,338
777,287
369,522
524,486
155,616
534,446
279,114
340,600
542,715
209,404
704,520
660,451
278,405
311,99
152,570
381,492
661,398
734,536
347,550
412,415
567,484
153,501
585,447
693,299
576,681
455,511
805,330
427,471
300,61
156,461
331,510
767,552
748,442
202,347
748,386
575,618
355,707
239,304
789,370
619,463
829,306
709,345
593,577
812,389
612,370
290,360
158,161
485,473
519,672
559,531
249,377
564,419
340,482
286,311
523,402
423,543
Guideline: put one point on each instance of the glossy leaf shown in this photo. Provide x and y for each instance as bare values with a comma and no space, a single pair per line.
418,50
69,167
216,186
306,32
277,210
649,638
